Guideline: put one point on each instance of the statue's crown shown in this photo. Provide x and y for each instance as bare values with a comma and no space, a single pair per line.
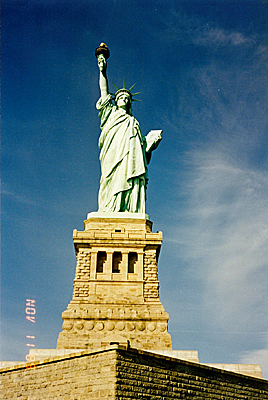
121,91
126,91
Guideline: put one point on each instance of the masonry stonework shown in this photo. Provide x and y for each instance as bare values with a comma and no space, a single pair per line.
140,376
78,377
116,287
123,373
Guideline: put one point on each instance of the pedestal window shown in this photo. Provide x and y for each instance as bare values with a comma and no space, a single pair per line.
132,259
117,258
101,258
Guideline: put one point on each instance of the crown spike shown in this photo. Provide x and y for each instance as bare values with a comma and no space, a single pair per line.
136,100
132,87
115,86
124,90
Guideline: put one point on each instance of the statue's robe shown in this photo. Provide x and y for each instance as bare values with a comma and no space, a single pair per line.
124,173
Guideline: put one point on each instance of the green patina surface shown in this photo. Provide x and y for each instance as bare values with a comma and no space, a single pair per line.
124,151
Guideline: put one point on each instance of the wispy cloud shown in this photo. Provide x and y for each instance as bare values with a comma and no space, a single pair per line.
227,218
189,29
223,238
222,228
259,356
221,37
17,197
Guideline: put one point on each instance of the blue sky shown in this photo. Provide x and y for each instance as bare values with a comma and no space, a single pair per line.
202,69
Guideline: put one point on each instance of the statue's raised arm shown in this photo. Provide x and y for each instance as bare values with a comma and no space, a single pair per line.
125,152
102,53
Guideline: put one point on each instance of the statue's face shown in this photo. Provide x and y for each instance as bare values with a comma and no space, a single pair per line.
123,101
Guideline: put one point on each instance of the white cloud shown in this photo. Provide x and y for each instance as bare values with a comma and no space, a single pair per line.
257,357
221,227
17,197
223,237
222,37
183,28
226,221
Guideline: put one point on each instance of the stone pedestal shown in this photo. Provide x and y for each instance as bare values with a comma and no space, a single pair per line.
116,288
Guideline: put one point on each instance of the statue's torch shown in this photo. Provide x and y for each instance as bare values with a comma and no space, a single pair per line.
102,49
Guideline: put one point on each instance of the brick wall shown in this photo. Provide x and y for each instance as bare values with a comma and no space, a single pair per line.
140,376
120,374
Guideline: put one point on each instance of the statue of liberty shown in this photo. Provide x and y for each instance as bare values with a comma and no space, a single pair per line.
124,151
